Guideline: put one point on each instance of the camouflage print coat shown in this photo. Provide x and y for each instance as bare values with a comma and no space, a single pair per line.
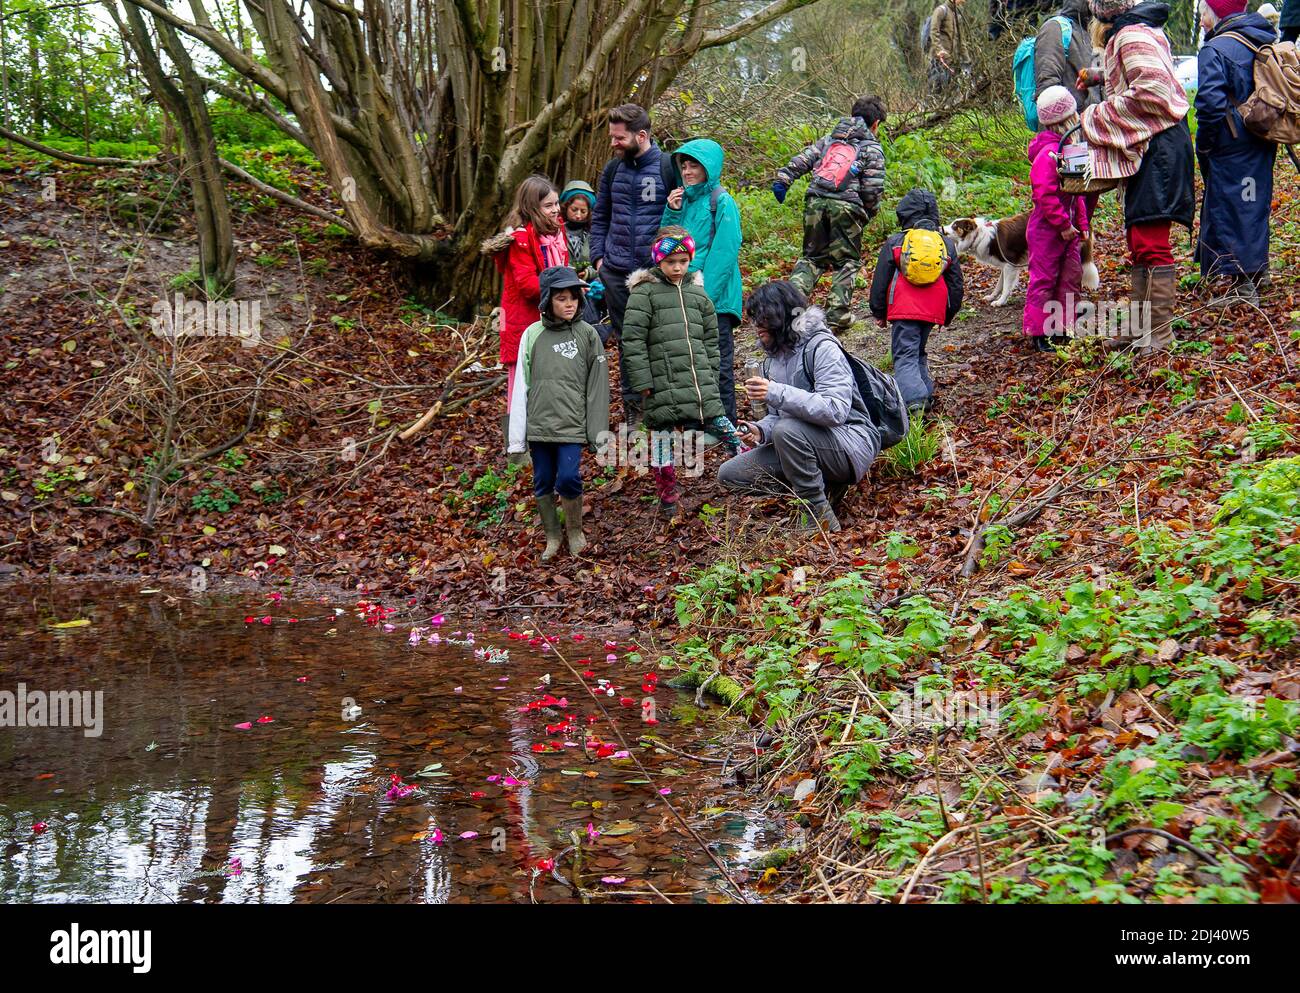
870,187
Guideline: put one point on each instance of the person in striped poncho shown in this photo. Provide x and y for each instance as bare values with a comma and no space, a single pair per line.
1138,134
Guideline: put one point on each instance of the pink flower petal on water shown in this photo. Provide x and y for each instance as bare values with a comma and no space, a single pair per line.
611,644
613,880
459,689
665,791
611,657
493,779
511,781
265,719
469,834
303,679
246,726
436,619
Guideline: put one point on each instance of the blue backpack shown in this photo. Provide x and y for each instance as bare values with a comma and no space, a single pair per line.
1022,71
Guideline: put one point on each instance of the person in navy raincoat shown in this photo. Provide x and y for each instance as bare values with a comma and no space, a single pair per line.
1236,166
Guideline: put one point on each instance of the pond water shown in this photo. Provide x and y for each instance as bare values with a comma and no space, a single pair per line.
237,761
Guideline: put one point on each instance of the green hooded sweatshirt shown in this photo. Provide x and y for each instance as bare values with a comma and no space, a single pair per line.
561,391
719,261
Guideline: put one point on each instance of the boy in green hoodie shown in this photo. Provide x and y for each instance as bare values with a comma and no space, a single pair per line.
560,403
708,212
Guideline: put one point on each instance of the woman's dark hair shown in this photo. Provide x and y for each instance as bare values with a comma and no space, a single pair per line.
774,307
870,109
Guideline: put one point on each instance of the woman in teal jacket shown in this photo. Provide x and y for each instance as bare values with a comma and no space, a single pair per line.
708,212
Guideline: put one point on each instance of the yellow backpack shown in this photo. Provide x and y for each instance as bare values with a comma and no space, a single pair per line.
924,256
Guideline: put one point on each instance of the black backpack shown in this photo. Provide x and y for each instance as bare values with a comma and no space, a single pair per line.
878,392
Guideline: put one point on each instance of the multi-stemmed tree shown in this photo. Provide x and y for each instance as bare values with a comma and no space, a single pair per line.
426,114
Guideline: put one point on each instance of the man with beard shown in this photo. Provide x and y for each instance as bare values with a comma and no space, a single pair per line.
817,439
630,202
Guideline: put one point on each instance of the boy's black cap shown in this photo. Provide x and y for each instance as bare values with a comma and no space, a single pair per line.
559,277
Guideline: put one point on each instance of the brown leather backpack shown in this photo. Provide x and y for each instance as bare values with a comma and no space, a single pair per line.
1272,111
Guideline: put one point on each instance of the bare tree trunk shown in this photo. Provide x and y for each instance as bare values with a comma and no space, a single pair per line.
4,66
34,86
188,108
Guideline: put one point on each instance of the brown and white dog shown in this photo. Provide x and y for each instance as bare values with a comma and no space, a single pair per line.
1003,245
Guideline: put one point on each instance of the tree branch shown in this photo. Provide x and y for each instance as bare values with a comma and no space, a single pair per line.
750,24
55,153
286,198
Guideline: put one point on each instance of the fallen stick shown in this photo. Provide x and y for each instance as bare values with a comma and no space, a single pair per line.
1171,838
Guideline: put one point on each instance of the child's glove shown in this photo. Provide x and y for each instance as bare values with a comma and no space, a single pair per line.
779,190
596,291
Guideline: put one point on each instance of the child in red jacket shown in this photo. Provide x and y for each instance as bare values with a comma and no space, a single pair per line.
533,240
912,309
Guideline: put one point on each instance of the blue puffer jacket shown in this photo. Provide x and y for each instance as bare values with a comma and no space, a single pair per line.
629,208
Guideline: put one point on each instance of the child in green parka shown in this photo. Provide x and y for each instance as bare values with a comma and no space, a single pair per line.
560,403
670,346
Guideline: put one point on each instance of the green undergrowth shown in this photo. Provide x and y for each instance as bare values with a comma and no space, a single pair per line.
1096,704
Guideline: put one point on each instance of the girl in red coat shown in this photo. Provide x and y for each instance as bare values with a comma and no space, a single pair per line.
532,241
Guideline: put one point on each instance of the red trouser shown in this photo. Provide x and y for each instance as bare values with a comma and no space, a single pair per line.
1148,243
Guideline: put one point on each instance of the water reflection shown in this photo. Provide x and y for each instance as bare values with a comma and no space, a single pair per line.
174,802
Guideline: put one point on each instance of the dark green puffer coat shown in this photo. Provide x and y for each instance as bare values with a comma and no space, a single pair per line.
670,345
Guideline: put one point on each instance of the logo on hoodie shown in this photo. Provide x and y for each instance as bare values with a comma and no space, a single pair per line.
569,349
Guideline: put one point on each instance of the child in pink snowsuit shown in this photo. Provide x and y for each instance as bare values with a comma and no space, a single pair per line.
1057,223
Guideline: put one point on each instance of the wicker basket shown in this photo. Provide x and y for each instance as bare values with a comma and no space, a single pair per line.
1073,175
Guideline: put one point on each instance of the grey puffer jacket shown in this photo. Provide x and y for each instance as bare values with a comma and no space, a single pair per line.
835,404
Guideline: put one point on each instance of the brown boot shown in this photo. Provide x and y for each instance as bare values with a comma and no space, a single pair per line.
573,524
1139,307
550,524
1163,291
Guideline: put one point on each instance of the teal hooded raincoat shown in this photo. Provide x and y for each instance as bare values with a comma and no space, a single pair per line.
719,262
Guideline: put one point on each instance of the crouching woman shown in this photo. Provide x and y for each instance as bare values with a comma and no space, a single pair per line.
817,439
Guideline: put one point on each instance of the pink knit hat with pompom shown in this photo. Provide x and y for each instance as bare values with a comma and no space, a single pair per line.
1056,104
